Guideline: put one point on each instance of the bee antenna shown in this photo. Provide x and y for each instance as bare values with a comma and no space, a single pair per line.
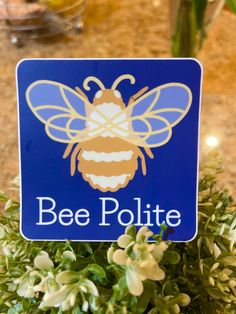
92,79
122,78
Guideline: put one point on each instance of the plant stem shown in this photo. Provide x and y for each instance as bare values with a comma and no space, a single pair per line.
189,27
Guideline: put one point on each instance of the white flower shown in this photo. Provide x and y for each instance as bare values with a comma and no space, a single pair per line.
25,286
139,258
134,282
47,283
229,260
120,257
149,269
124,240
232,237
232,283
11,286
183,299
2,232
72,299
43,261
159,250
6,250
66,277
176,308
56,298
211,281
8,204
69,255
91,288
85,306
216,251
214,267
110,252
143,234
29,292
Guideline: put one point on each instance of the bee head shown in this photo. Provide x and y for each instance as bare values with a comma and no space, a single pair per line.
108,96
111,95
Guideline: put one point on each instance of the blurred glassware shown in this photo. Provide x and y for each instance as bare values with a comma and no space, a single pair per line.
27,19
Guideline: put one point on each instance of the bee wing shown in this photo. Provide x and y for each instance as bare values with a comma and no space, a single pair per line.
61,109
152,116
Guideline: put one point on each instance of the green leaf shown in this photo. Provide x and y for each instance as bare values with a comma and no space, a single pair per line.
120,289
229,260
172,257
153,311
232,5
35,251
144,299
26,305
16,309
111,294
96,270
2,233
12,310
100,257
66,277
131,230
171,288
185,37
76,310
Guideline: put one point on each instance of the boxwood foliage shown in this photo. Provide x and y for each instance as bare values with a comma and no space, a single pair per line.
131,275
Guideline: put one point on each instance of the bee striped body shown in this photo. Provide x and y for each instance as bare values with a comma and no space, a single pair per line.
108,163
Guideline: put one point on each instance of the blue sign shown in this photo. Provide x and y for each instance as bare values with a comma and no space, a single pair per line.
105,143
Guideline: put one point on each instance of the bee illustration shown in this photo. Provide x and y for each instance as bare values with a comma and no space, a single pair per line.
105,139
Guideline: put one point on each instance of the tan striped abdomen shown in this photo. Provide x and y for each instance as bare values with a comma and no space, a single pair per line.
107,163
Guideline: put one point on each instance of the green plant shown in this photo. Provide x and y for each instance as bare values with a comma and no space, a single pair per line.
130,276
232,5
191,24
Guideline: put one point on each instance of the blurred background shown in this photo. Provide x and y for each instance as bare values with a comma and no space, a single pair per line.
119,29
